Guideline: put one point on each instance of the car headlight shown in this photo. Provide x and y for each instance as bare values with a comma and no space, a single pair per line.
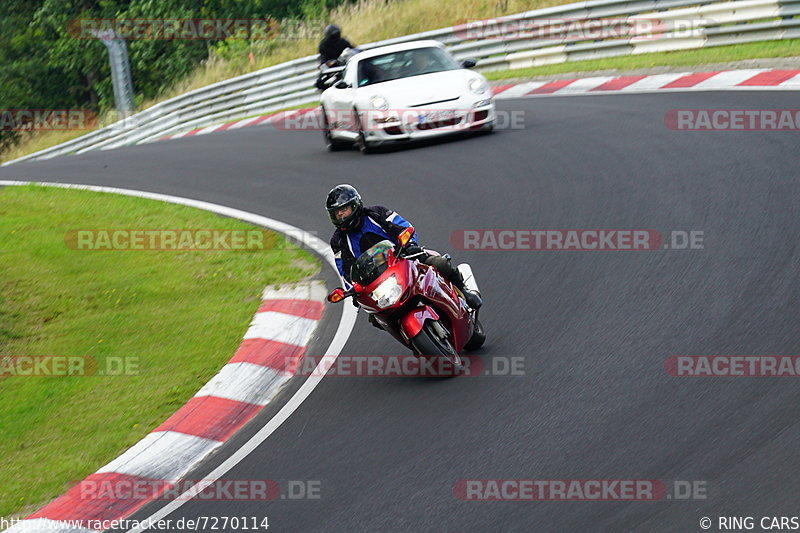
477,85
379,102
387,293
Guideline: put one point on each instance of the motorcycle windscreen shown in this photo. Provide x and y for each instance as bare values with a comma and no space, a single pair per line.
371,264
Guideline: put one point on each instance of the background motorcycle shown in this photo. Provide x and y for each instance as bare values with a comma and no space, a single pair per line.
331,71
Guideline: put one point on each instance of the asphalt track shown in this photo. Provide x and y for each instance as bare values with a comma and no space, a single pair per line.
594,328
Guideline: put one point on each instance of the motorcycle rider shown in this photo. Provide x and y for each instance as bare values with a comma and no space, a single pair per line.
331,49
358,228
332,44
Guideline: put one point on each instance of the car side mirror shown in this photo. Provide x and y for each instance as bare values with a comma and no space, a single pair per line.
342,84
469,63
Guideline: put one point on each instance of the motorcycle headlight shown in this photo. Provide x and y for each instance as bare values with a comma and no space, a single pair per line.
379,102
387,293
477,85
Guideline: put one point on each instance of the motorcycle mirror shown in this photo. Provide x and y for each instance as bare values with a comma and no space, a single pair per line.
336,296
406,235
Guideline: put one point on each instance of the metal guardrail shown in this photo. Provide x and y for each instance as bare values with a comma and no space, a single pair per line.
291,83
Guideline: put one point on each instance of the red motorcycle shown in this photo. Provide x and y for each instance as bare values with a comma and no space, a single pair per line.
414,303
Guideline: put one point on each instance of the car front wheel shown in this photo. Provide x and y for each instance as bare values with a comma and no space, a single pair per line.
333,145
361,142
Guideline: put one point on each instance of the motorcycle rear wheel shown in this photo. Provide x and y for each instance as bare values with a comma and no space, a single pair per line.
478,337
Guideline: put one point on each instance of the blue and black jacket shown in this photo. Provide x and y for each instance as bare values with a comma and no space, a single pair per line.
377,224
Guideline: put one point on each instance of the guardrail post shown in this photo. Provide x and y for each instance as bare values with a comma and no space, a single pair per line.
120,72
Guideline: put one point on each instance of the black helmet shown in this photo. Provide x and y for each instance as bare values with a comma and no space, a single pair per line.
342,196
332,31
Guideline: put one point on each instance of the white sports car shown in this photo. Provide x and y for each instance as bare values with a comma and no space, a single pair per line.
401,92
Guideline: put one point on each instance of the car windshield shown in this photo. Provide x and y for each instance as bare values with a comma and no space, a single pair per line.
404,64
371,264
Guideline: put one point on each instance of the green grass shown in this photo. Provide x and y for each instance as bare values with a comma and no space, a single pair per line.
686,58
182,314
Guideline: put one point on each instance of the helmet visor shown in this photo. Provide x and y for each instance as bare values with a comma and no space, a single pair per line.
341,215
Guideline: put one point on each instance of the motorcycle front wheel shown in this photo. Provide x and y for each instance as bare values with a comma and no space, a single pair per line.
432,341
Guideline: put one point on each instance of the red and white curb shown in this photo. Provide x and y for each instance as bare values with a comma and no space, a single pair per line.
746,79
749,79
252,121
272,347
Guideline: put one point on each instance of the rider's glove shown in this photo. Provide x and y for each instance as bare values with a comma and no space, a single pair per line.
414,251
